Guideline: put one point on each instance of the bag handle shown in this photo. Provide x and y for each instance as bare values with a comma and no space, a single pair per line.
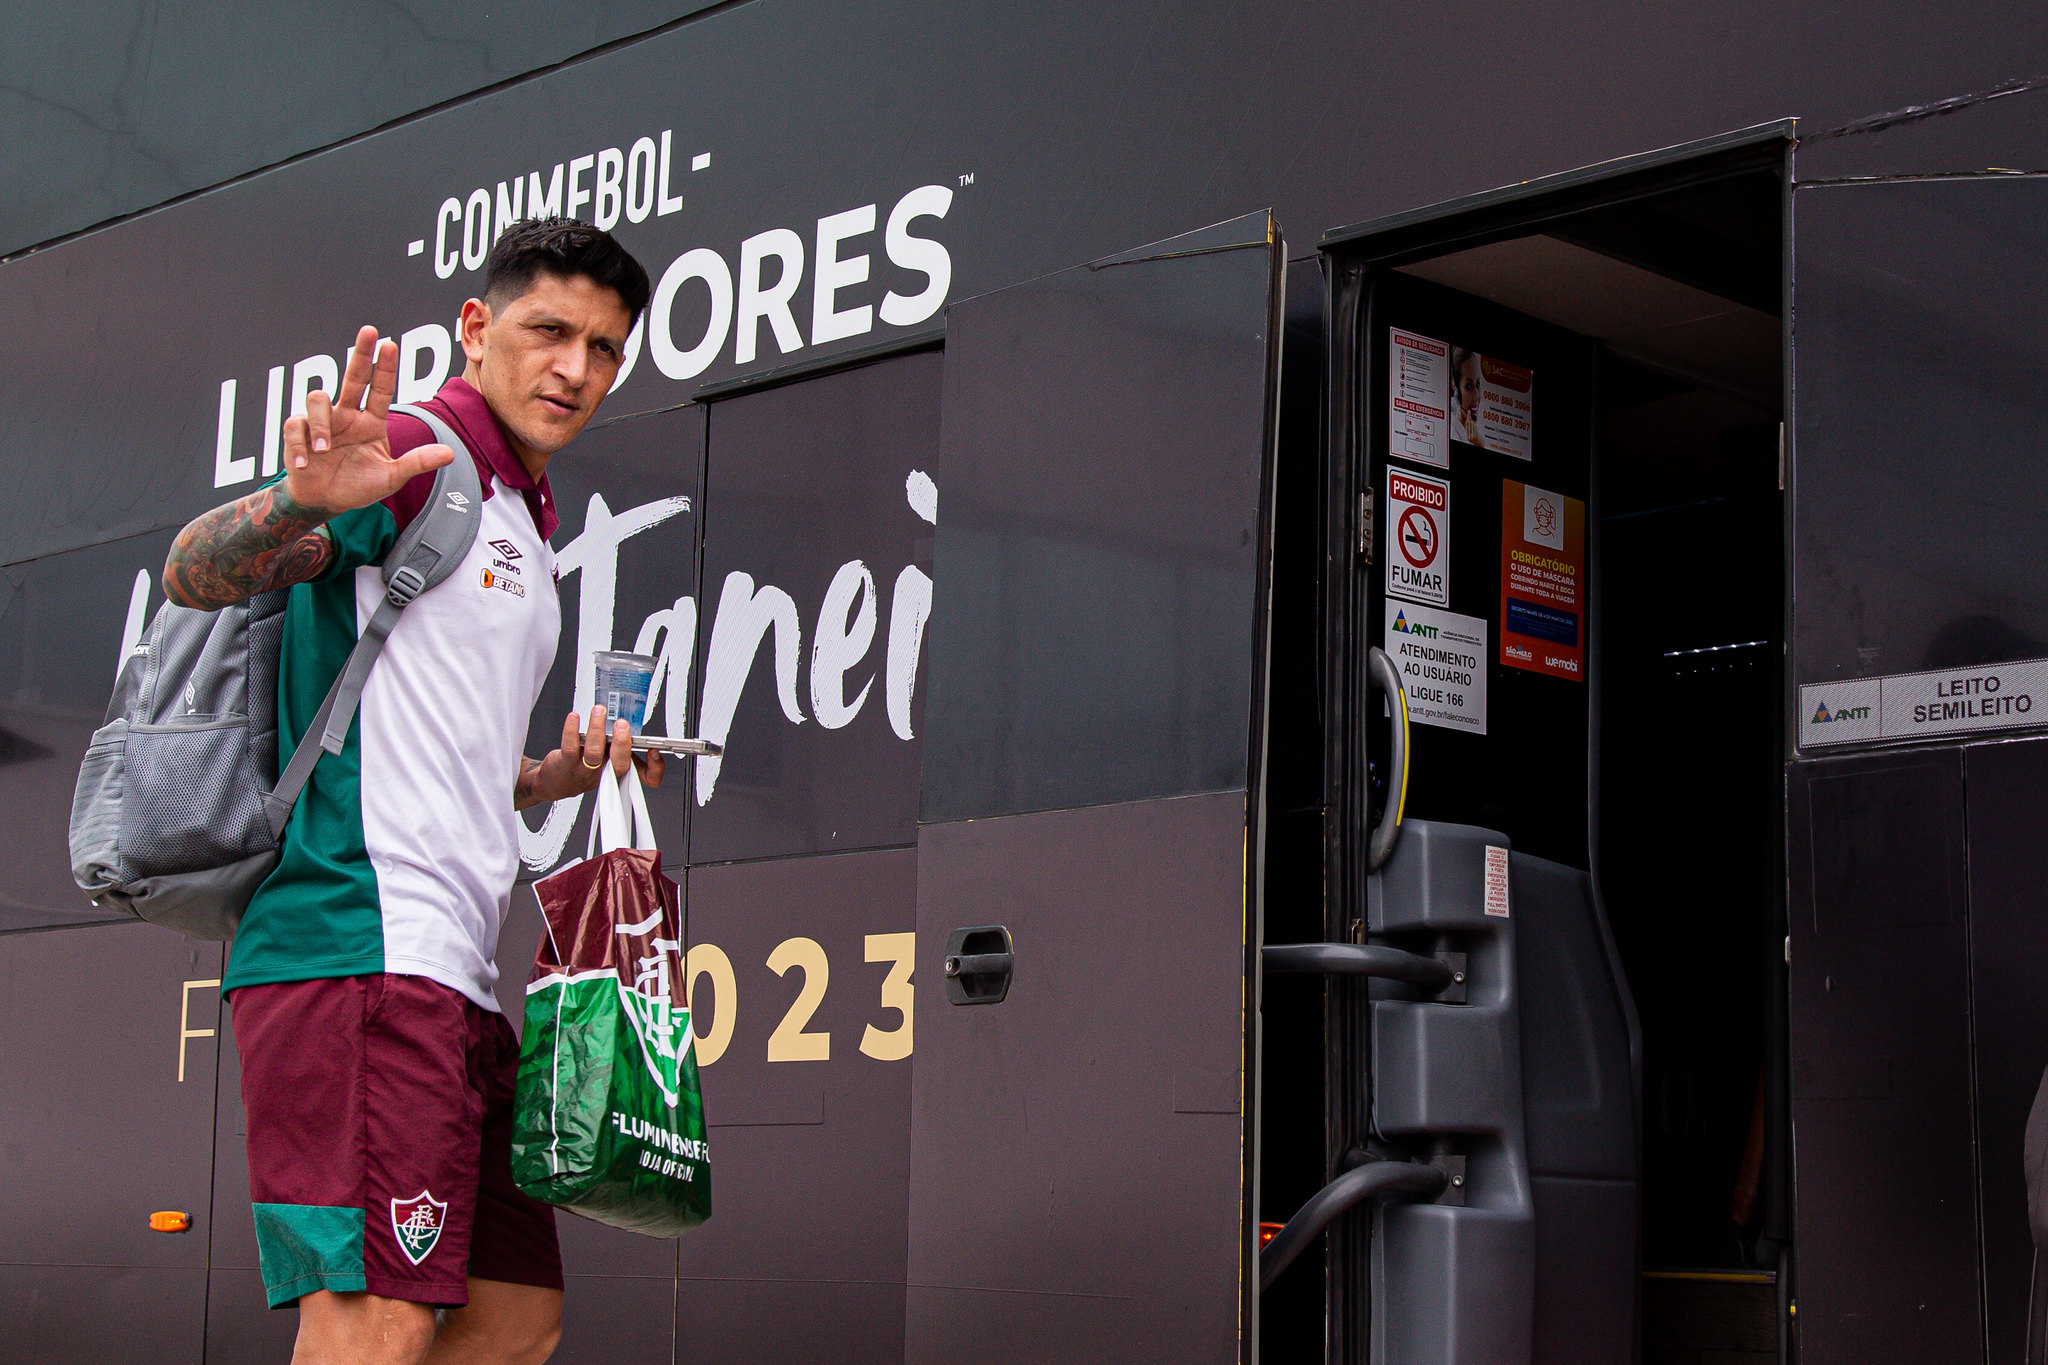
621,820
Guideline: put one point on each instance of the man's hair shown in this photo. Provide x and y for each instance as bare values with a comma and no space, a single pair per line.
565,248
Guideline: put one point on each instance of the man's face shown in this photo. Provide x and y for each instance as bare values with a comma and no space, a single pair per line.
545,360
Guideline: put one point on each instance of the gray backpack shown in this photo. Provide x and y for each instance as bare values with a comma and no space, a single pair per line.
180,809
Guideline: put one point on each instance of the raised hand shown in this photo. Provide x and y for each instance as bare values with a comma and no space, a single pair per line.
338,456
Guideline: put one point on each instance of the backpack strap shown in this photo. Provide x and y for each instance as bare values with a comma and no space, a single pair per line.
430,548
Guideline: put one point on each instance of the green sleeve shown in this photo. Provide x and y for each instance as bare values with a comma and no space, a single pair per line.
360,537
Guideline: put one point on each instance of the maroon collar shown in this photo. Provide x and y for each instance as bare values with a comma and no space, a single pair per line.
471,416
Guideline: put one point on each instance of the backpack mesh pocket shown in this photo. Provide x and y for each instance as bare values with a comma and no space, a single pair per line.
192,798
96,811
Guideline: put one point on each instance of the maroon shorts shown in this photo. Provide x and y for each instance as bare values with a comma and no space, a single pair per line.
380,1141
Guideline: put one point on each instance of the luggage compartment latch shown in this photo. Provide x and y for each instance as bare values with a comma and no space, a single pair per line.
979,960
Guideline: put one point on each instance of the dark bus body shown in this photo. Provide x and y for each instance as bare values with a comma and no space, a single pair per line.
1421,621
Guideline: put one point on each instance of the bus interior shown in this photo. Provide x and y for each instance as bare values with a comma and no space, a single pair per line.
1651,316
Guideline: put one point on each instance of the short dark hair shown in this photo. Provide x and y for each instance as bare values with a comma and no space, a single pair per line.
566,248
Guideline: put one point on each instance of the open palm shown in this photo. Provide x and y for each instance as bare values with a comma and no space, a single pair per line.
338,455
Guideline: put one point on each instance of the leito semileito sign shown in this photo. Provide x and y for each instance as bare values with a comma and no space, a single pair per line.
1938,702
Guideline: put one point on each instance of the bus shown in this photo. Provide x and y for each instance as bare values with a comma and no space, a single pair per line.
1377,674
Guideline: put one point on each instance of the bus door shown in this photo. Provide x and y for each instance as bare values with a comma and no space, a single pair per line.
1554,944
1086,899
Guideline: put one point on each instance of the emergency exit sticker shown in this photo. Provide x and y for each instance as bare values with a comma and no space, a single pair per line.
1441,657
1496,881
1418,398
1542,580
1419,522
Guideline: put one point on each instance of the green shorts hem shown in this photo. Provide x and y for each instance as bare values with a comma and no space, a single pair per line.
303,1248
291,1291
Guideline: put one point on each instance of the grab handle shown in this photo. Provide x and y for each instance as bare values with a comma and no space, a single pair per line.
1374,1180
1387,678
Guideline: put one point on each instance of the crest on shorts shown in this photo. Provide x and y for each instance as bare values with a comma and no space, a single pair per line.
418,1222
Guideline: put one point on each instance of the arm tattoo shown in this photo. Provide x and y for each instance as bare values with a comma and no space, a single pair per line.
522,786
251,545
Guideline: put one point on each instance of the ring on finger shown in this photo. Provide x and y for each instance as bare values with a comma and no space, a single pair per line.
592,766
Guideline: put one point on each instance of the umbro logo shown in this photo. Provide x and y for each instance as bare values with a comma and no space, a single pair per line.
458,501
506,548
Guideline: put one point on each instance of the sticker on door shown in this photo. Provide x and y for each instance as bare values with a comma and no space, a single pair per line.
1418,389
1442,661
1492,403
1542,580
1419,512
1496,881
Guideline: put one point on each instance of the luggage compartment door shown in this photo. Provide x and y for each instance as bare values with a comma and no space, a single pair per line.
1089,832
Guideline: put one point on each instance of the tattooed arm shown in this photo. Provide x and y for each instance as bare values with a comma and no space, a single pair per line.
263,541
337,458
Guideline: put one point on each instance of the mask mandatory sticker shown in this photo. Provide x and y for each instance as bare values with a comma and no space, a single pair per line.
1542,580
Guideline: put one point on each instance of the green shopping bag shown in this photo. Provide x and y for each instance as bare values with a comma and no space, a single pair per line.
608,1121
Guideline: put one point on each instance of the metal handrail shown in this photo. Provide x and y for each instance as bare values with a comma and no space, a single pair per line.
1358,959
1374,1180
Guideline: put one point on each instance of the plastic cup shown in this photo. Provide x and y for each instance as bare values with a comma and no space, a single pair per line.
622,684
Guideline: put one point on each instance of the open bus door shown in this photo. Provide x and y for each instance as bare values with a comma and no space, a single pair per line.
1088,1106
1089,839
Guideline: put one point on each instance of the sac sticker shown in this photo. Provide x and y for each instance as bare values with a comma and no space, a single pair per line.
1492,403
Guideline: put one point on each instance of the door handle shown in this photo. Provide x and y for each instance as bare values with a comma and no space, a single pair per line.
979,960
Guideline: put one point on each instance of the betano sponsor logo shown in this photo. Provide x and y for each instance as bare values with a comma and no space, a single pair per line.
503,584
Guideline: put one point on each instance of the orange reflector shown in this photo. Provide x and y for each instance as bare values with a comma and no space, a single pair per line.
169,1221
1267,1232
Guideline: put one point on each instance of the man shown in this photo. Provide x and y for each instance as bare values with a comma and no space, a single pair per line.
376,1069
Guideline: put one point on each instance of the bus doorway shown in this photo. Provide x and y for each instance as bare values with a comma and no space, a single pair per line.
1554,488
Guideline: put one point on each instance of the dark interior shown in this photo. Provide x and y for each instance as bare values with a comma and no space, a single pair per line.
1656,325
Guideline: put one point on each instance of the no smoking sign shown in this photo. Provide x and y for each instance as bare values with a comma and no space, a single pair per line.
1420,509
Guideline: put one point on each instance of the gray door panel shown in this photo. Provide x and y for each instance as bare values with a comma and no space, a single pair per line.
1091,779
1077,1149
